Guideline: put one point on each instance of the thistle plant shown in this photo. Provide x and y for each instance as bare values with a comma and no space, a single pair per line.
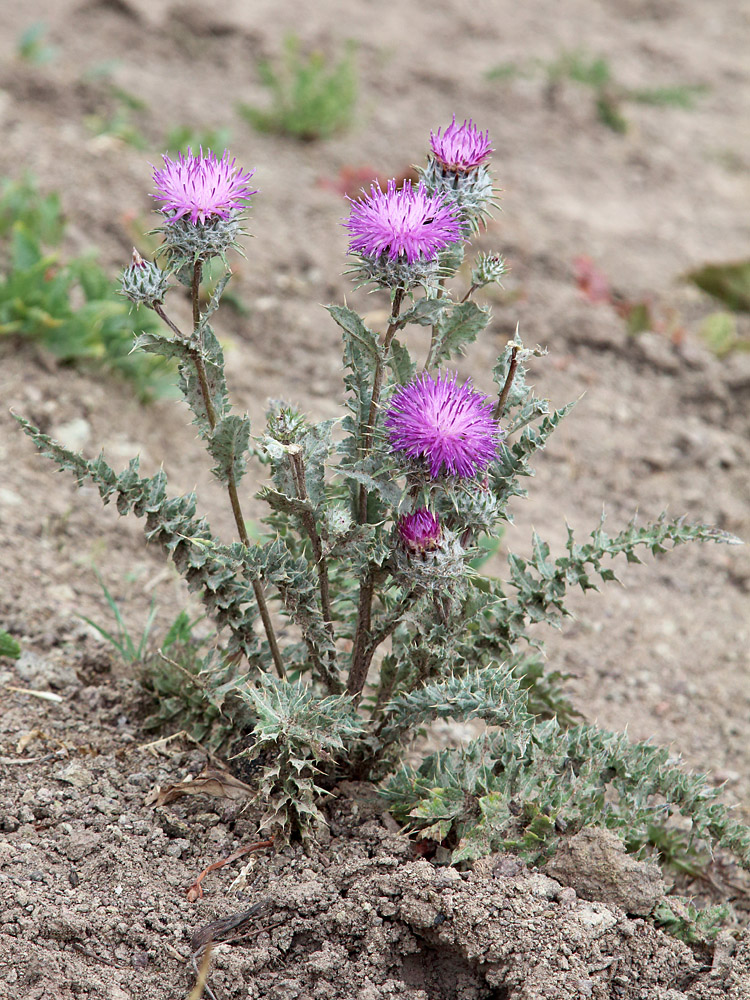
358,617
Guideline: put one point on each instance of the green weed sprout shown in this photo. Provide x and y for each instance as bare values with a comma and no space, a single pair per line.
181,138
31,46
357,617
130,649
310,100
40,296
595,72
9,646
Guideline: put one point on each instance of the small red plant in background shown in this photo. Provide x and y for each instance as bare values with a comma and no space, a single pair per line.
353,181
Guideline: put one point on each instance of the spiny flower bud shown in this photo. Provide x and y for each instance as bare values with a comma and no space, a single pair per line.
285,422
488,269
420,531
338,521
143,282
428,555
456,170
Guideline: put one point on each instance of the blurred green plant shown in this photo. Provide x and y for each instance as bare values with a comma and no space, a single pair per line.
118,123
8,645
183,137
119,109
310,99
38,294
595,72
729,283
31,46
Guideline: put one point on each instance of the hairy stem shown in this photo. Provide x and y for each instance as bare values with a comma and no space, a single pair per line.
321,566
500,405
387,627
234,499
377,388
433,335
366,641
360,664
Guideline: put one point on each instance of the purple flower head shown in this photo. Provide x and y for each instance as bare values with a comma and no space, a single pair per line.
419,531
461,147
201,186
407,223
451,427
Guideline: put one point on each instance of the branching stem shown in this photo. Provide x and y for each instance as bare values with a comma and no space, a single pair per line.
500,405
234,499
360,661
321,566
377,388
433,335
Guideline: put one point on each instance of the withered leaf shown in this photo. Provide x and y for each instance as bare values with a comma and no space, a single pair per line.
211,781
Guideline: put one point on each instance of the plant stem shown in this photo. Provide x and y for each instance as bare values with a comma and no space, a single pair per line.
321,565
377,387
359,667
500,405
234,499
360,664
388,625
366,643
469,293
195,294
433,338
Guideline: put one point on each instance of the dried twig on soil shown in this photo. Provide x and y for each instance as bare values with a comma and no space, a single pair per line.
195,891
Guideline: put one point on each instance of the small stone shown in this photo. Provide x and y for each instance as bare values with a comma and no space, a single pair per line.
9,499
177,848
140,779
41,674
74,774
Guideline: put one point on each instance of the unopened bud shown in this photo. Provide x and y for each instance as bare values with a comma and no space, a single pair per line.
143,282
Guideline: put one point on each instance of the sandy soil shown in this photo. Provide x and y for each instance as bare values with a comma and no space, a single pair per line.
661,423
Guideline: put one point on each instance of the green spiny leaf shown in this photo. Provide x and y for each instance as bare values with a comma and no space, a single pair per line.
228,445
457,329
354,329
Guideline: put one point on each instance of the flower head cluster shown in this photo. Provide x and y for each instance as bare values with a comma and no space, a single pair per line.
407,223
420,531
201,187
461,147
450,427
